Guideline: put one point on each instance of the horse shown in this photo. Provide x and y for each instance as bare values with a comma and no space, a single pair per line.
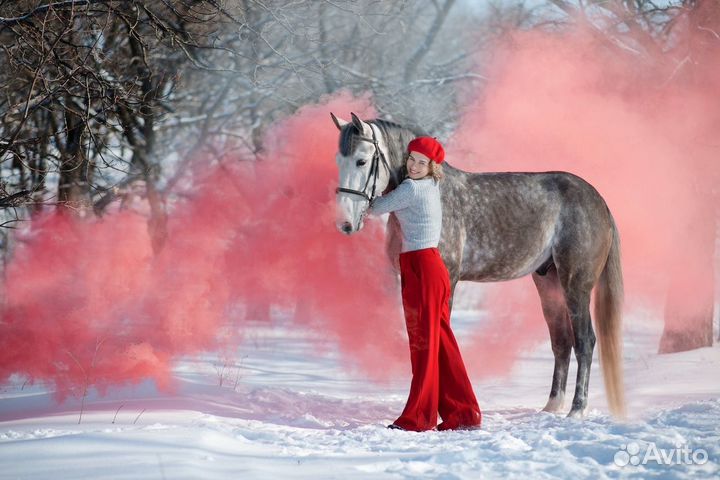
553,225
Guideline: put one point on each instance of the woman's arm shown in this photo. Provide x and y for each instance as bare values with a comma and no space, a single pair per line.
398,199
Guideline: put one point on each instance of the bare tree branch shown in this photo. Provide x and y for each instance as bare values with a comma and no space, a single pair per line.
46,8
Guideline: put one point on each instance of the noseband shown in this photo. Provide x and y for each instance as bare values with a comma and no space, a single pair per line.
378,156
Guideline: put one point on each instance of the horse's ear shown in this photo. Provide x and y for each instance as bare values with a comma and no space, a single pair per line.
339,123
359,124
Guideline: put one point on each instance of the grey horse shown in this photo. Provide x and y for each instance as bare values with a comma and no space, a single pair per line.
500,226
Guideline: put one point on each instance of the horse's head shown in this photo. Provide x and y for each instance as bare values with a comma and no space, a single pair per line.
363,168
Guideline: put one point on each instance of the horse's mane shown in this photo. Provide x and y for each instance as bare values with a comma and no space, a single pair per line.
397,136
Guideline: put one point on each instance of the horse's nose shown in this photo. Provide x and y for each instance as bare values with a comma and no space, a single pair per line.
347,227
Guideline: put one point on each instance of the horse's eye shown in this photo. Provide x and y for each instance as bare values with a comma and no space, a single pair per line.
360,163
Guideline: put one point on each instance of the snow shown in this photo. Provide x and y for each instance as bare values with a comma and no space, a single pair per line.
288,409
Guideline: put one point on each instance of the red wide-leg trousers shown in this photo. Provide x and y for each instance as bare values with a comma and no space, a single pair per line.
439,380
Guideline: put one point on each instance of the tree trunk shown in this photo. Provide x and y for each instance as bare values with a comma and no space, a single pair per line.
73,182
422,50
691,298
689,308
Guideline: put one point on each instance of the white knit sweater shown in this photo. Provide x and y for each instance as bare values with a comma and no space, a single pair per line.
416,204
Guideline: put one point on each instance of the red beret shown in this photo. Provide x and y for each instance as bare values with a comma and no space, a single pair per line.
429,147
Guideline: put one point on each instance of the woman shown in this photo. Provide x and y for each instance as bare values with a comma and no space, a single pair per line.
439,380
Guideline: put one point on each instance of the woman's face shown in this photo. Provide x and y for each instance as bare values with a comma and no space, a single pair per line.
418,165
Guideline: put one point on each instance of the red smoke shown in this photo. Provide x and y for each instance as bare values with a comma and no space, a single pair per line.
643,132
87,303
341,286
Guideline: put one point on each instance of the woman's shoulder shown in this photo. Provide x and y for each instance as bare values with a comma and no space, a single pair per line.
425,183
408,184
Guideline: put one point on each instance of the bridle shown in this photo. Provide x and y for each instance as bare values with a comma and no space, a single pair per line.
378,156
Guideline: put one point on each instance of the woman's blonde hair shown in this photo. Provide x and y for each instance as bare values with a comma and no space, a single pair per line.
436,171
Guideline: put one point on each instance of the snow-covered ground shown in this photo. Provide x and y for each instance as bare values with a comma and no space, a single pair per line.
286,411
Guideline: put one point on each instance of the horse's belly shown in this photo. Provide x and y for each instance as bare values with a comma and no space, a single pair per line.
507,261
497,273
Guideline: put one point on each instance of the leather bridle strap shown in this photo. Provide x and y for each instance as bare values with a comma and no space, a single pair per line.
374,173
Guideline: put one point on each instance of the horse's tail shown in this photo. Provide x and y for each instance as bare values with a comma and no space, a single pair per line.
608,322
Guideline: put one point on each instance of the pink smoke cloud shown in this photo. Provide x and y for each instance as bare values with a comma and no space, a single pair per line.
87,304
642,132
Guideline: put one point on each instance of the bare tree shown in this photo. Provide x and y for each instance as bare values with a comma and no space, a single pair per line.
85,85
97,91
691,328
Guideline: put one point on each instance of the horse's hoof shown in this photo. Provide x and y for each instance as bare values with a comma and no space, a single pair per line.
554,405
576,413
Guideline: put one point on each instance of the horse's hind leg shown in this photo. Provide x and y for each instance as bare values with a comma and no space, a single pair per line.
577,295
555,311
